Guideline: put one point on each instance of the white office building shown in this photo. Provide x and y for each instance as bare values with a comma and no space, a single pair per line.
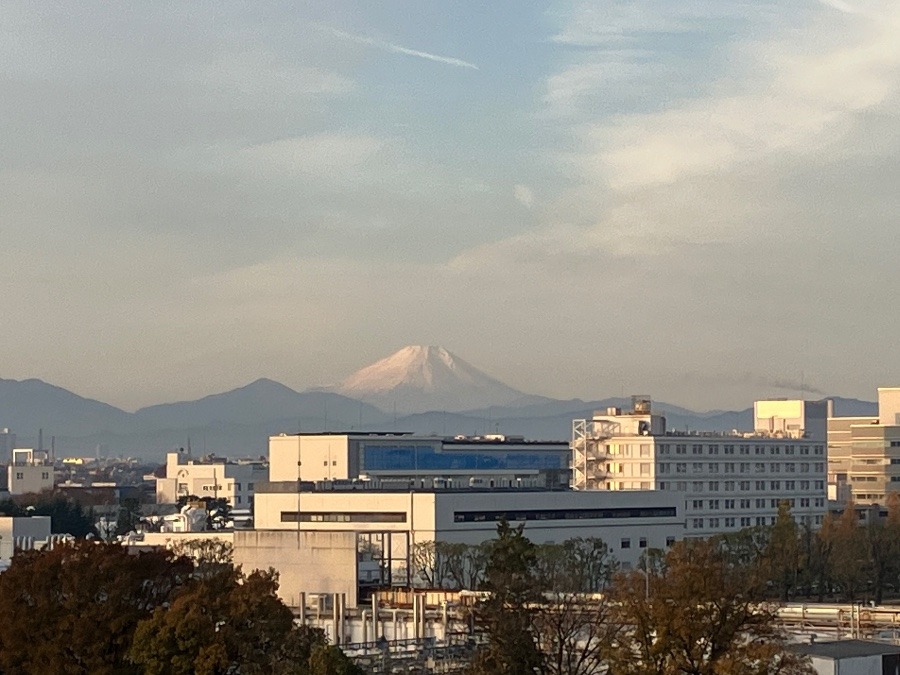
727,481
210,476
317,536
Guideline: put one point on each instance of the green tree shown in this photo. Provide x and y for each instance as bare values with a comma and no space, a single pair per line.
74,609
782,556
329,660
129,516
507,615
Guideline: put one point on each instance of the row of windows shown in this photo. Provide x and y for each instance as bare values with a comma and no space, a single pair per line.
220,487
713,449
428,458
746,521
742,486
759,503
567,514
45,475
731,467
343,517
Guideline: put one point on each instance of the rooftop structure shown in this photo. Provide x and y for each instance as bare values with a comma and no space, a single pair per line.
495,460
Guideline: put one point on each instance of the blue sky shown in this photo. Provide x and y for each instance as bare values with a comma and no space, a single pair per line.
692,199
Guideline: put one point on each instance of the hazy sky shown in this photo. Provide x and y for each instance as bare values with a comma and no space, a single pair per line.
696,200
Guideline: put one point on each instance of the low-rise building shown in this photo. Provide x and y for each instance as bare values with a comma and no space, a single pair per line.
210,476
29,472
851,657
393,521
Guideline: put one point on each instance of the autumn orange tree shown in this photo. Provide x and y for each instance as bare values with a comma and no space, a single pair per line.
699,614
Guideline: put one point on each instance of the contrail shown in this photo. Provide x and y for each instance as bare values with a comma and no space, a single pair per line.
398,49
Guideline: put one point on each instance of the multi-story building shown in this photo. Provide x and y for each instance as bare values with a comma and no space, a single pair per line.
864,453
319,536
728,481
484,461
29,471
210,476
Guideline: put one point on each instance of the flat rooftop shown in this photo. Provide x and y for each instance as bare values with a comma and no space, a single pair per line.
845,649
490,439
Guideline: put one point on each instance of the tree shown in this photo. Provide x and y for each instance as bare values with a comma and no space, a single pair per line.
216,624
129,516
329,660
507,615
849,555
703,615
576,634
80,602
781,557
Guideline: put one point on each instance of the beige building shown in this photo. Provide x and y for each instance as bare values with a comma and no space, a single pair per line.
216,477
29,472
864,453
727,481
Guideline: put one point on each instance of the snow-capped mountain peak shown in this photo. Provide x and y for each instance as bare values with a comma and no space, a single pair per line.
419,378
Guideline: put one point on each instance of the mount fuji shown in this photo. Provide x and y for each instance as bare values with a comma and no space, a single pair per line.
419,379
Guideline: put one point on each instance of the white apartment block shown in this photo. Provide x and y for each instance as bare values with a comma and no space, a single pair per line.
216,477
728,481
29,472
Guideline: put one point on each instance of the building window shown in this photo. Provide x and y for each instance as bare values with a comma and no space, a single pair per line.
744,485
642,542
698,523
714,449
625,543
19,476
237,487
745,504
697,449
714,504
729,503
343,517
713,522
714,467
670,541
45,475
697,504
698,467
250,486
713,486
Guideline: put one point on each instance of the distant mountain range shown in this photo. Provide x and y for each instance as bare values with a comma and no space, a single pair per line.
420,389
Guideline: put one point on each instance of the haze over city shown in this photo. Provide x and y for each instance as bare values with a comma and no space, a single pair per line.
695,200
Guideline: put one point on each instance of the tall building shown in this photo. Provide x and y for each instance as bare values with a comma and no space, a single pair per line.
864,453
729,481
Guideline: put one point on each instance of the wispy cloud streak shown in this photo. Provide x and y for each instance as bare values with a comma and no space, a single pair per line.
398,49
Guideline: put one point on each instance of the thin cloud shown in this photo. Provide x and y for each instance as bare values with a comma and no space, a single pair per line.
398,49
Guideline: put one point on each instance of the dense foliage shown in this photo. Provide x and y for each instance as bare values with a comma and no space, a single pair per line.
93,607
699,609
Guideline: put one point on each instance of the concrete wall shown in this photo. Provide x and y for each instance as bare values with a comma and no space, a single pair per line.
321,457
889,405
25,479
307,562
